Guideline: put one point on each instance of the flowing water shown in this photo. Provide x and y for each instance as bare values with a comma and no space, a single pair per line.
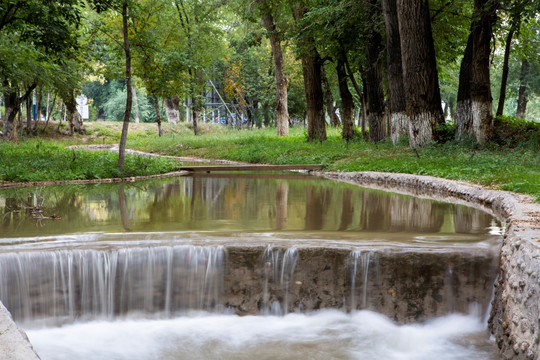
163,269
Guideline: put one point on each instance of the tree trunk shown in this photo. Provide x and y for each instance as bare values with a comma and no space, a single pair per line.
282,197
136,105
504,78
29,116
311,68
38,110
364,108
522,93
463,119
266,114
282,111
74,119
129,98
158,115
11,108
420,78
481,100
374,89
172,109
195,119
361,94
399,121
47,108
329,99
347,103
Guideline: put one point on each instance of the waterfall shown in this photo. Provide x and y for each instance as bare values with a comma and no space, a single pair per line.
63,285
359,267
279,270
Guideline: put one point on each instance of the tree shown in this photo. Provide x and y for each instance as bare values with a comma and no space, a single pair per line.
399,121
329,99
522,95
374,85
129,98
481,100
282,111
35,37
463,108
311,68
347,103
420,76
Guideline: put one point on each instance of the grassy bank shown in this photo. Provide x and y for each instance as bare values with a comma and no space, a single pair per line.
513,165
513,168
48,160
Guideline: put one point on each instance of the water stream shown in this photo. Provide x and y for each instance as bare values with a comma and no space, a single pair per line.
243,267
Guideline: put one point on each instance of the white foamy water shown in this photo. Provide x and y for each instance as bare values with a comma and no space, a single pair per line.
328,334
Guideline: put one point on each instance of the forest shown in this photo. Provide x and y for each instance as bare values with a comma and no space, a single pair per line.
393,68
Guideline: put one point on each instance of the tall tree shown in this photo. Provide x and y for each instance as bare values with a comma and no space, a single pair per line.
129,98
463,118
504,79
311,68
420,77
519,12
396,94
374,77
347,103
282,110
481,100
522,94
329,99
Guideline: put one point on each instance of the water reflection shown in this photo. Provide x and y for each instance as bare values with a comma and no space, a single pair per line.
259,203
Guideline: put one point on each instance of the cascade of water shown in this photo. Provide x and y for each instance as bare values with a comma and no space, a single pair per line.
360,264
279,270
68,284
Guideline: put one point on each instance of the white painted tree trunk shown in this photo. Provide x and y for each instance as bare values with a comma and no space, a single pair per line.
399,123
481,120
420,129
463,118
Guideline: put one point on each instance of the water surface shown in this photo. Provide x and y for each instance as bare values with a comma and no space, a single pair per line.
71,253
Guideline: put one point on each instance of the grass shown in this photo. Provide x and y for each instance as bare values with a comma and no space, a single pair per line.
512,163
46,160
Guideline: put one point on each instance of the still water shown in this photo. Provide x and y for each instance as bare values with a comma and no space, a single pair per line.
301,207
70,253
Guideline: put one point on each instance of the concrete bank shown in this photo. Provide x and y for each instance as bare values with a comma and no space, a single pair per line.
14,344
515,315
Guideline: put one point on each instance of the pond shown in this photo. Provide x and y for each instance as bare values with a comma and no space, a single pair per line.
237,266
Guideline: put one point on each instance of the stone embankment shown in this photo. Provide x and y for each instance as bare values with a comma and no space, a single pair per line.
14,344
515,315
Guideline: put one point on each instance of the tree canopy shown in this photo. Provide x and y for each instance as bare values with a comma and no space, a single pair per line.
237,63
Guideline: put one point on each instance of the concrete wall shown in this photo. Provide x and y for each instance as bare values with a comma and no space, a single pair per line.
14,344
515,316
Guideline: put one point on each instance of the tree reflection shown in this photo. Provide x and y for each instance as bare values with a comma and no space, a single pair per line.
317,206
123,208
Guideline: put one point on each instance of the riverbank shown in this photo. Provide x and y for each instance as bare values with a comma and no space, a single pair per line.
513,167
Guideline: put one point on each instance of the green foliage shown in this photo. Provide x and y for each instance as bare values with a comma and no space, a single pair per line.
514,132
47,161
